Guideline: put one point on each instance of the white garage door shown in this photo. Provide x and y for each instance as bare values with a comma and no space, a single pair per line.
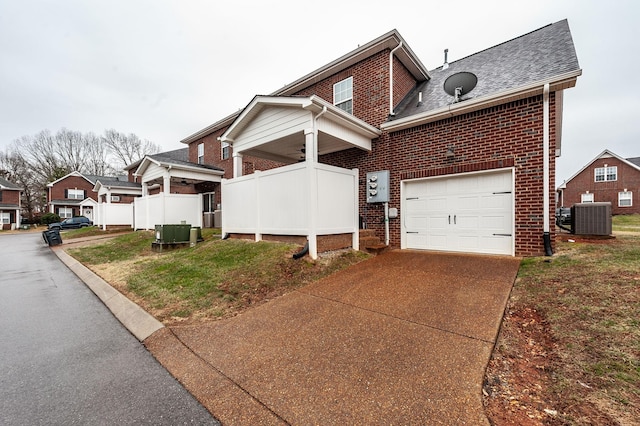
463,213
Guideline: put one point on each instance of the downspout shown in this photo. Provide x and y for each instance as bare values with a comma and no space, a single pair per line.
546,236
391,113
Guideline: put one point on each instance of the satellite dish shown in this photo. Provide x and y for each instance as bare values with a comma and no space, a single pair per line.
459,84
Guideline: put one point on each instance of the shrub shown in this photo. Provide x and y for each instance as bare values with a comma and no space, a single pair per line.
50,218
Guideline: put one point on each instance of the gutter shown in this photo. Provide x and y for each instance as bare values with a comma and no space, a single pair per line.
391,113
559,82
546,236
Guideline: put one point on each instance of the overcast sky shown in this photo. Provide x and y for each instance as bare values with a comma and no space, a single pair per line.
164,69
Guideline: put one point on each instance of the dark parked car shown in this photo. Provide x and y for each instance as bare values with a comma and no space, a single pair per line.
563,215
71,223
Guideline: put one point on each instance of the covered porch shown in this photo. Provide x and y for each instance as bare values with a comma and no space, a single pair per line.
171,191
304,198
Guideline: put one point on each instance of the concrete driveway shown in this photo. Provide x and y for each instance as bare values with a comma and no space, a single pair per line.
402,338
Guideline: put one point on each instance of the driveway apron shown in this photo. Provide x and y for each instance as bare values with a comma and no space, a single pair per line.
402,338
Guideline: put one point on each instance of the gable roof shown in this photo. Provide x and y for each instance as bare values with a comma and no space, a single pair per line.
390,40
337,130
604,154
89,178
178,158
5,184
511,70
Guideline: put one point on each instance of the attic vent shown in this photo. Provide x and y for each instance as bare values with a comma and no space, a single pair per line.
460,84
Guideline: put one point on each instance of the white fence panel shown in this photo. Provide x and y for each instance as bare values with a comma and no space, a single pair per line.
114,214
239,204
283,201
183,207
277,201
161,209
337,200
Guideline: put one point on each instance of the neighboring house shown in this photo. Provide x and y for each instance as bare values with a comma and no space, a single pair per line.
468,148
607,178
9,205
73,195
173,189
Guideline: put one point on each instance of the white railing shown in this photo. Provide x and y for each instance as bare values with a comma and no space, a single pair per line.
160,209
113,214
292,200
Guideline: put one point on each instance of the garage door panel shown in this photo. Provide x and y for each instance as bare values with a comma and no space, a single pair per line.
417,241
496,244
435,222
495,223
469,213
437,241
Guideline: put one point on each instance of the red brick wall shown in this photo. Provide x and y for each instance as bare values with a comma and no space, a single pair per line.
370,87
628,178
57,192
10,196
502,136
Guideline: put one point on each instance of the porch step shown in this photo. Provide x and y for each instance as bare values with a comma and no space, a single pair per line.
370,243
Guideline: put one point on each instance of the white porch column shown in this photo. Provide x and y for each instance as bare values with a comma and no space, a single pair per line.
145,189
237,164
166,183
311,158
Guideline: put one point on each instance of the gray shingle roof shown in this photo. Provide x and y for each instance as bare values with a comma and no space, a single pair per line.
8,185
105,179
634,160
530,58
180,156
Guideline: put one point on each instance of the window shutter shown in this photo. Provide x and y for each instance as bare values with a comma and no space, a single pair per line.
66,193
84,194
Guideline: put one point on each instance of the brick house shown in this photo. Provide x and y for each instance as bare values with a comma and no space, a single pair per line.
9,205
468,169
72,195
607,178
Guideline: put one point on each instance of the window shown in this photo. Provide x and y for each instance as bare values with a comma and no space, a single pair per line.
343,95
225,150
200,153
5,218
208,202
115,198
75,194
586,198
65,212
625,198
606,174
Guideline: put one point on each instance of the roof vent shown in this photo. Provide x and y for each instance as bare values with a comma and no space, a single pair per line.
460,84
446,64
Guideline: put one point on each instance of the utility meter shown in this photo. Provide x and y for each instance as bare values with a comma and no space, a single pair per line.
378,187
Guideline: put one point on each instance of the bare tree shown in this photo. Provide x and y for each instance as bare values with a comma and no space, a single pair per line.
34,161
15,168
127,149
96,157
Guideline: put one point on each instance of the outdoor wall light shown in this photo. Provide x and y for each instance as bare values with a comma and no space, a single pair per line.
450,154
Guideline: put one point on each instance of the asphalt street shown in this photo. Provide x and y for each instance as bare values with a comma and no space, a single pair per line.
64,358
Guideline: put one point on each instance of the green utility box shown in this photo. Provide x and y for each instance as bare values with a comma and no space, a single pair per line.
173,233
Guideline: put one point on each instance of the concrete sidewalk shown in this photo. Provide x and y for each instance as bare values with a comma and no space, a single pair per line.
402,338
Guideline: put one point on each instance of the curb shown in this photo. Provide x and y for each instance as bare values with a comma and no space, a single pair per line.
140,323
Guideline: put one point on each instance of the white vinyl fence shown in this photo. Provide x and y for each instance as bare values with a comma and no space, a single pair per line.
292,200
161,209
107,214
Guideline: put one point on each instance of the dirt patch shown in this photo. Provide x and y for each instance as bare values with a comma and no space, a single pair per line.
565,353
